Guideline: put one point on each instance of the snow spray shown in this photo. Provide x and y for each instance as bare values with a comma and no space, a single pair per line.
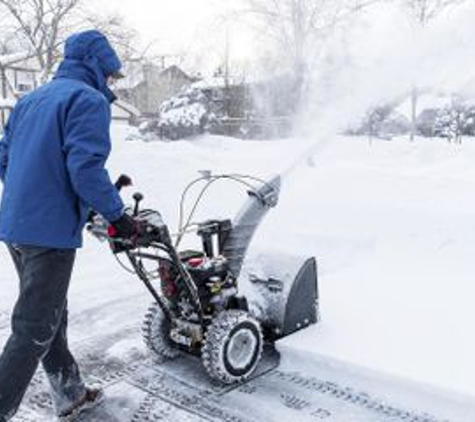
379,61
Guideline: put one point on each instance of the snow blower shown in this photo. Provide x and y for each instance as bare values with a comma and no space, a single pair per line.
198,306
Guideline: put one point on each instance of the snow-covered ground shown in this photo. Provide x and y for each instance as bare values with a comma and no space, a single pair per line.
392,226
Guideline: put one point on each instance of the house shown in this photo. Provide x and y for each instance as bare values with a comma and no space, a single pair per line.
21,74
147,86
426,121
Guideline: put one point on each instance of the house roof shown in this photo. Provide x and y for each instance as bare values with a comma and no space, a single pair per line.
135,74
127,107
176,70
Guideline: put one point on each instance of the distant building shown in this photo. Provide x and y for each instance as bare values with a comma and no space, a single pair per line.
20,74
147,86
426,121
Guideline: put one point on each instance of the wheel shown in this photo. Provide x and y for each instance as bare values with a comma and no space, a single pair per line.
156,331
233,346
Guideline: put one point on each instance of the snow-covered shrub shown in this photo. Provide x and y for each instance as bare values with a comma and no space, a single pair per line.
147,126
189,113
381,122
455,120
394,125
145,130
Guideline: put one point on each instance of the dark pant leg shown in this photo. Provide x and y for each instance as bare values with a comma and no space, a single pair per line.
62,370
44,282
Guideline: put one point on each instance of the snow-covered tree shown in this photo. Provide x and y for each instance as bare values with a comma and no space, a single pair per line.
41,26
122,37
455,120
190,113
298,27
422,13
382,121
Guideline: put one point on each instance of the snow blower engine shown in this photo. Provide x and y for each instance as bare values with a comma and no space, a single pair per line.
198,307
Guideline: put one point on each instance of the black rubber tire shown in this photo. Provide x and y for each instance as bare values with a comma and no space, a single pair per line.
156,331
233,347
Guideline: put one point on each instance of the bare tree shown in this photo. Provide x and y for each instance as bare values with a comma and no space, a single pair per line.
121,36
422,13
298,26
41,25
6,44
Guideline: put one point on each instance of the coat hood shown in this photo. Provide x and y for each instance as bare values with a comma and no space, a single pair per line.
89,57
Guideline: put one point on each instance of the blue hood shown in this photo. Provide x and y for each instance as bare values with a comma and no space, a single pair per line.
89,57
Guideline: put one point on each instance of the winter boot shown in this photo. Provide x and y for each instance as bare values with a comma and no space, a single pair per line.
92,398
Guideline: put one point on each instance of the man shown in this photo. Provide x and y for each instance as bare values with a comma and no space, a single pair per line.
52,159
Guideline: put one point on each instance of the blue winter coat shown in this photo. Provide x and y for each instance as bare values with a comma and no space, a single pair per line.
54,149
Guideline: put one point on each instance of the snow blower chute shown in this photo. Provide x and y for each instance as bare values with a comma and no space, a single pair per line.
215,302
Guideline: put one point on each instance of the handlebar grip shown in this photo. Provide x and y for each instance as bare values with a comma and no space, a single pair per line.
123,181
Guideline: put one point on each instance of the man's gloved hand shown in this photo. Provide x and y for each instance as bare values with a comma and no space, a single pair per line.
125,227
122,182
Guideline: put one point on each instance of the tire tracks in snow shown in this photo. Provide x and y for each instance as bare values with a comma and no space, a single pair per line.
161,393
171,398
350,396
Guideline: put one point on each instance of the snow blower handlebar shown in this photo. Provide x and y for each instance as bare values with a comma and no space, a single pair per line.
153,241
153,237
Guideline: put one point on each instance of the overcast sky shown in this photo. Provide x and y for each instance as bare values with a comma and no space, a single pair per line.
196,27
181,25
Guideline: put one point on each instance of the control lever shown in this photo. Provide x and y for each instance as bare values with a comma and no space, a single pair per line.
138,197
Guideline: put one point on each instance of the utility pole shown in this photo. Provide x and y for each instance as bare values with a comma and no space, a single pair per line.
227,49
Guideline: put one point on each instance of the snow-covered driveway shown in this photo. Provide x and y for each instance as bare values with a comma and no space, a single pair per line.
393,228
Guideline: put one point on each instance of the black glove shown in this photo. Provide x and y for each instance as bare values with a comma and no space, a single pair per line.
125,227
122,182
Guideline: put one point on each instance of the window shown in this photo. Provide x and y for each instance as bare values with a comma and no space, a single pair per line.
23,87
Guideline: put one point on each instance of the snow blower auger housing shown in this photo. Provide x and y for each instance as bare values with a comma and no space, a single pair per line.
198,306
